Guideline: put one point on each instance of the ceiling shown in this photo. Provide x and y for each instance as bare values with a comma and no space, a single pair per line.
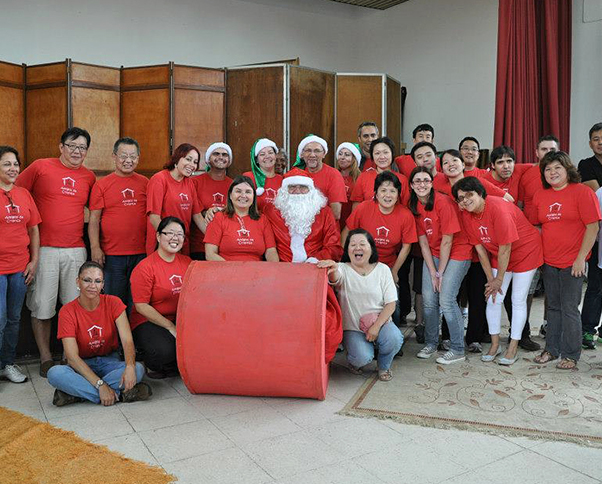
377,4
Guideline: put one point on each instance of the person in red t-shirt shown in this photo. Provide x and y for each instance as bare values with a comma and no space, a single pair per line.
156,286
367,132
60,188
447,254
569,215
263,171
348,157
509,249
90,328
19,252
240,232
117,226
471,152
394,230
171,193
423,133
211,188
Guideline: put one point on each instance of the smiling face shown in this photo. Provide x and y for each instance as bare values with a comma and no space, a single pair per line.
452,166
9,169
595,143
422,185
280,165
383,157
425,156
73,152
470,153
367,135
242,196
359,250
470,201
313,154
387,195
219,159
171,238
344,159
187,165
266,158
126,159
503,167
556,175
90,283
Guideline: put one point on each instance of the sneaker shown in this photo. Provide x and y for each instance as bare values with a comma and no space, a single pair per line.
426,352
13,373
475,347
450,357
543,329
588,342
61,398
140,392
419,330
528,344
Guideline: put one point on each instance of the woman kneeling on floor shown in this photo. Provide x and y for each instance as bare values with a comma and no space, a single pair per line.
90,328
367,295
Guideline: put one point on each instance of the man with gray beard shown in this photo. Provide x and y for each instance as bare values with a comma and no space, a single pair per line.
306,231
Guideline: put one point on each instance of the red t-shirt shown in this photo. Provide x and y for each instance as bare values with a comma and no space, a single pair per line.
330,182
368,164
406,164
476,172
511,184
271,187
211,193
503,223
95,331
443,220
60,194
239,238
157,282
442,184
122,200
390,231
168,197
364,187
347,207
563,215
530,183
14,222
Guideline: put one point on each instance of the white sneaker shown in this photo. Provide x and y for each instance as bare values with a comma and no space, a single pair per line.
13,373
449,358
426,352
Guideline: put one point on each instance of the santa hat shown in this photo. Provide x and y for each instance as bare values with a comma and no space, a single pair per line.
351,147
214,147
296,176
312,138
258,173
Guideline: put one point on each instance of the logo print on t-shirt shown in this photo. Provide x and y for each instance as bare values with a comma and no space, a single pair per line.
68,182
127,193
218,199
484,231
95,334
176,282
428,226
244,235
554,211
12,209
68,187
270,194
183,197
129,197
382,236
185,205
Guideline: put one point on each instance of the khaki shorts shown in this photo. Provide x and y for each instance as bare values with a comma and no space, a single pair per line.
55,278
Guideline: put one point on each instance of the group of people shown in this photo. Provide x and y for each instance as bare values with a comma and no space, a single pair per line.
471,234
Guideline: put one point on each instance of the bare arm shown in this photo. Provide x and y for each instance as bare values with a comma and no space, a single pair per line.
94,234
200,222
401,258
271,255
428,259
128,379
344,234
589,238
444,251
34,253
593,184
154,220
333,272
336,209
155,317
383,317
508,197
212,253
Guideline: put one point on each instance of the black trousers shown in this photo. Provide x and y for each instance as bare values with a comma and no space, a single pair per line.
477,328
404,293
158,347
508,306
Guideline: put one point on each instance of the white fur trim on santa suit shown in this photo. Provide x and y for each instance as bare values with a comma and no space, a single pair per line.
214,147
298,180
351,147
312,139
264,143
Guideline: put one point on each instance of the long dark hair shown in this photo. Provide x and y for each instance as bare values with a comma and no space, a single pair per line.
373,256
230,211
430,203
387,141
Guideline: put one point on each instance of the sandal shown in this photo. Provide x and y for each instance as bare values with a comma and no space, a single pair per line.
385,375
355,370
544,357
567,364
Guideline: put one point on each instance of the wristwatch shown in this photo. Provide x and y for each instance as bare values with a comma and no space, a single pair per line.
99,383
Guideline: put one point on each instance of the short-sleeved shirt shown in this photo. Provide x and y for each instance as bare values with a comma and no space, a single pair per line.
590,169
19,213
390,231
330,182
511,185
158,283
122,200
360,295
165,196
211,193
530,184
442,184
563,215
442,220
503,223
406,164
95,331
271,187
364,187
60,194
240,238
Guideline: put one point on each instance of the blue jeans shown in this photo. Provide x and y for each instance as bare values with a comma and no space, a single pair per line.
12,296
447,300
118,270
110,368
361,352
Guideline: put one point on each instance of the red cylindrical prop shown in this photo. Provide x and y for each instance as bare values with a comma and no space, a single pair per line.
253,328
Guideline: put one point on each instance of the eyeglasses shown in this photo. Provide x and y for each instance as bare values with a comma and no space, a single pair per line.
128,157
466,148
88,281
173,235
317,151
465,197
422,182
73,148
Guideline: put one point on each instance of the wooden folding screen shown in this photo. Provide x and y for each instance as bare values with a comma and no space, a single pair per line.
282,102
368,97
12,100
165,105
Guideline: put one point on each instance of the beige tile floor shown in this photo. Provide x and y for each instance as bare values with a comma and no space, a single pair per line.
222,439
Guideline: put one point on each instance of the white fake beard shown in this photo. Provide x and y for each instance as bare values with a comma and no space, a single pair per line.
299,210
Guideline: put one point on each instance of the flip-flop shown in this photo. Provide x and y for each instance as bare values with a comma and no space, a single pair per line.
566,364
385,375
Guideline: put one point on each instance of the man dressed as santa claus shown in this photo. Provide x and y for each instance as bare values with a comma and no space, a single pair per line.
306,231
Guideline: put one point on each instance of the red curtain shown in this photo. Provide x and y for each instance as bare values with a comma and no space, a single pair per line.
533,74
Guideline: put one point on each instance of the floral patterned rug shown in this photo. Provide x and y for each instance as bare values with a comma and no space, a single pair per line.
525,399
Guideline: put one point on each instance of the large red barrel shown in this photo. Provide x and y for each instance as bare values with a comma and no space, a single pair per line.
253,328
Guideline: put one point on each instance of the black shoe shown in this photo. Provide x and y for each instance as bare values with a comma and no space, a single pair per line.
139,392
528,344
61,398
419,330
588,342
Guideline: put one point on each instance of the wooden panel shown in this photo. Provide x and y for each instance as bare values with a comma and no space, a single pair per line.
145,117
105,76
194,76
12,129
198,118
144,76
46,120
11,73
47,73
311,107
254,109
394,112
359,99
98,112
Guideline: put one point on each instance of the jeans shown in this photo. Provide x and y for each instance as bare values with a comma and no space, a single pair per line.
563,292
592,302
110,368
158,347
447,299
12,296
118,270
477,319
360,352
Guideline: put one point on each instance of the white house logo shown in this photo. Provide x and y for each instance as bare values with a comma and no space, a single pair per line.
484,232
555,212
270,194
382,232
129,197
128,193
244,235
68,182
68,187
175,280
184,197
243,232
382,236
185,205
428,226
96,340
218,199
12,209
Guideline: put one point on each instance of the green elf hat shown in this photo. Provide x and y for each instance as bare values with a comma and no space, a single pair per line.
258,173
312,138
